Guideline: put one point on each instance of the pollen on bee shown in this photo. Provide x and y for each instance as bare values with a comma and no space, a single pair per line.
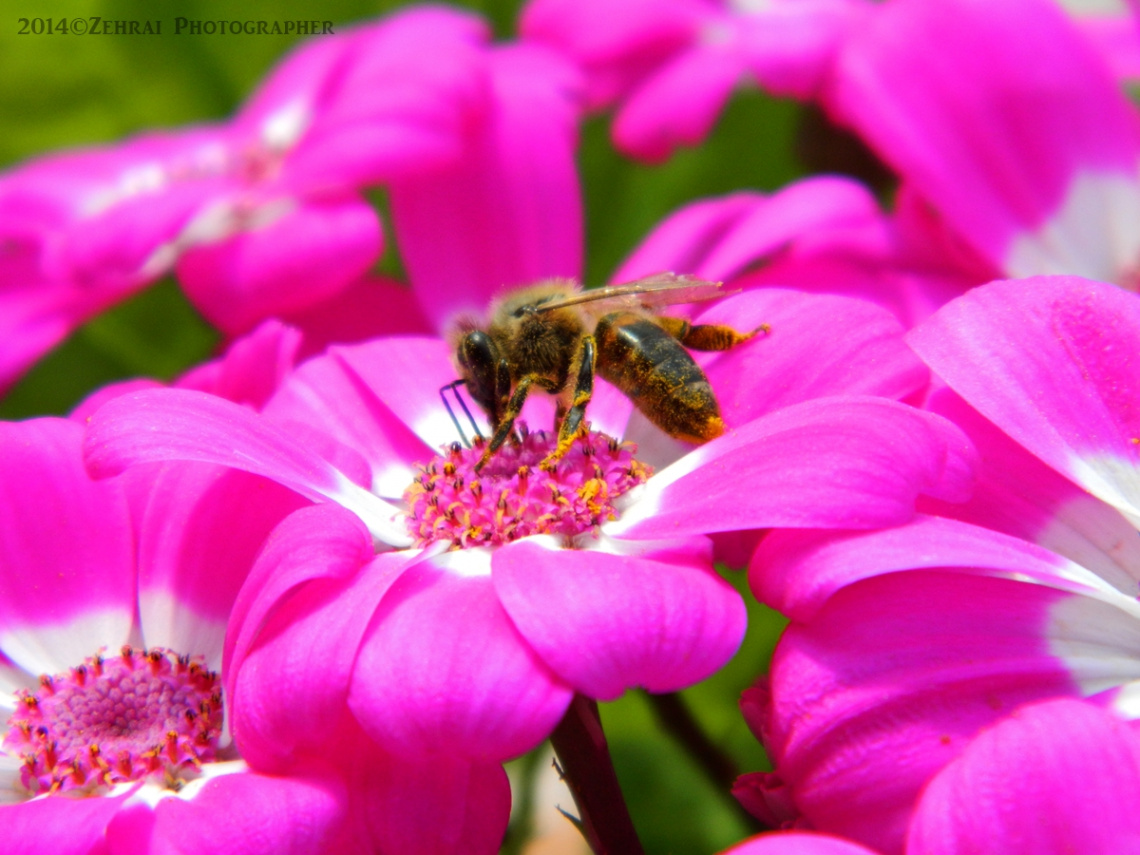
572,500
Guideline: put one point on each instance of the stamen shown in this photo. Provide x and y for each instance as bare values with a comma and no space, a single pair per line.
146,713
513,497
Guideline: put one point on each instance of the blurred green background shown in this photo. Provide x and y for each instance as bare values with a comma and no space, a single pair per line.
69,90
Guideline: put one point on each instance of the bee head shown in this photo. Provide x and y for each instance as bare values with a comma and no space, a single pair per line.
478,361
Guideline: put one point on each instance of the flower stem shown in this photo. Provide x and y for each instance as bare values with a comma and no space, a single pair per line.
584,759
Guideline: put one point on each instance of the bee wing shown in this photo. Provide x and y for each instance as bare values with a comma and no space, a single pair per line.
660,289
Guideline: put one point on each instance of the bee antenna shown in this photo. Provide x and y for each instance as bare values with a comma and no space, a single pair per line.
463,405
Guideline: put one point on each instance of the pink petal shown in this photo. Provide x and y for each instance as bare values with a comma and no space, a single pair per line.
719,238
296,626
305,256
37,315
1054,777
911,295
202,528
291,816
797,843
176,424
87,407
443,670
765,795
684,239
847,462
607,622
1019,495
616,50
252,367
328,396
354,108
799,358
439,804
892,679
929,242
1011,127
294,87
385,365
133,239
59,824
1116,38
106,218
368,308
678,104
67,565
509,212
791,44
796,571
1051,361
399,99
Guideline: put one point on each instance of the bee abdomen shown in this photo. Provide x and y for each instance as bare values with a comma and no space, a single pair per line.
659,376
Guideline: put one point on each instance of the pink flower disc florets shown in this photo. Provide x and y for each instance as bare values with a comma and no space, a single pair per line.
108,721
513,497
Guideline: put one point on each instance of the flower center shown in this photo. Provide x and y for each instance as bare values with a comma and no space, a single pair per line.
107,721
511,497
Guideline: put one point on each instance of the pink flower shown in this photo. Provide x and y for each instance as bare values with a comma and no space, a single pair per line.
797,843
508,211
897,689
1016,146
824,234
101,604
1053,777
470,643
339,114
1008,123
1072,764
264,216
84,230
144,571
1065,760
672,65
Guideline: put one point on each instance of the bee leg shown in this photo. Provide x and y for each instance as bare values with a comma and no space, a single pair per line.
572,426
706,336
503,395
507,421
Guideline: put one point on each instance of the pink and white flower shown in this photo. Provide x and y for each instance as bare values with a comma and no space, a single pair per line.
107,609
264,215
1008,123
1066,760
672,65
1018,151
824,234
899,684
453,637
123,588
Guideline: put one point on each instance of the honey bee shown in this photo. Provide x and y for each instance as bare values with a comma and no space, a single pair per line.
554,336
